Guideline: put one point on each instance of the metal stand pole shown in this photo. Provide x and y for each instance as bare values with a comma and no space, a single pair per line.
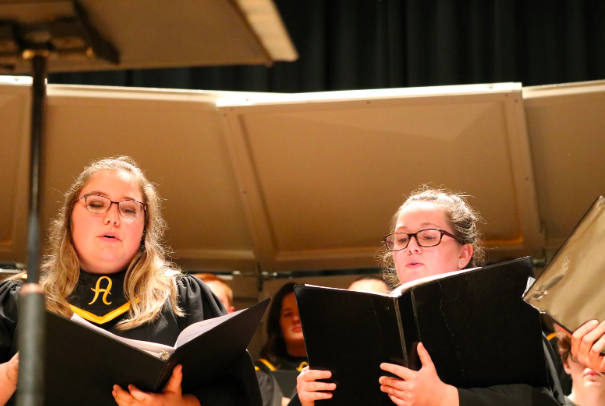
30,388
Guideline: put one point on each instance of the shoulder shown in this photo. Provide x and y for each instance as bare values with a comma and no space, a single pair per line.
9,290
189,284
282,364
264,365
13,283
196,298
9,306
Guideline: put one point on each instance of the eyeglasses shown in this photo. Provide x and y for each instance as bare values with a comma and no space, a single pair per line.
129,209
428,237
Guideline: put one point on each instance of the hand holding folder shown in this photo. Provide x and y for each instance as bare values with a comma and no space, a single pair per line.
473,323
83,364
570,292
423,385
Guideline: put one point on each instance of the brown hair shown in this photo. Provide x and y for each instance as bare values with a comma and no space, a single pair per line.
148,284
564,346
461,216
275,347
210,277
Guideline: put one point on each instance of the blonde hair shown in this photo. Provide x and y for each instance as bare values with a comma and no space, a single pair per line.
147,284
461,216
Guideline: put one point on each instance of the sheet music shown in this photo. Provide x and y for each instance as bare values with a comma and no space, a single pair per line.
155,349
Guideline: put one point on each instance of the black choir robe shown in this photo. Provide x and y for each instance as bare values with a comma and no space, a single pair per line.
100,300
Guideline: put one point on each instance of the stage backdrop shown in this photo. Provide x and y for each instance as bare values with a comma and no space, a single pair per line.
369,44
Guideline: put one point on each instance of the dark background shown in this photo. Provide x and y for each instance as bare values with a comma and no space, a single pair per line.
366,44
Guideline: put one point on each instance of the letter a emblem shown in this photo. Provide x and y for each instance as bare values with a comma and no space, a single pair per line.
97,290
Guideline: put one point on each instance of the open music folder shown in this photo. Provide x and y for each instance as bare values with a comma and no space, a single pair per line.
84,363
473,323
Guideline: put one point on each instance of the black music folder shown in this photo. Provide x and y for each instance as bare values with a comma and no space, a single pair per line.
83,363
474,324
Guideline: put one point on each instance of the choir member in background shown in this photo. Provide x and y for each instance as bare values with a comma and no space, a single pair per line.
269,388
588,385
285,347
369,283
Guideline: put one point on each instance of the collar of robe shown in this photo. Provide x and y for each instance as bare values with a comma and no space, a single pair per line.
99,298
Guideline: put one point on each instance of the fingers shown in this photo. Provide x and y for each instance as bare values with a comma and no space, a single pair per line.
132,396
424,356
389,381
393,391
122,397
398,370
139,395
308,398
602,366
421,387
308,388
135,396
578,335
174,384
311,375
11,369
400,392
307,383
599,343
595,357
396,400
561,329
590,344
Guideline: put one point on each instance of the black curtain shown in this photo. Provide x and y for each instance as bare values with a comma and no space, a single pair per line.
368,44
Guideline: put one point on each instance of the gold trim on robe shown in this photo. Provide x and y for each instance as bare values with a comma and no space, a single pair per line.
101,319
267,364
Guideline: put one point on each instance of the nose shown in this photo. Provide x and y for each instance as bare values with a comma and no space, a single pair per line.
413,245
112,215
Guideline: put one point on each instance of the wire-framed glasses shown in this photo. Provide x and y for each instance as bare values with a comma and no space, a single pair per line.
428,237
129,209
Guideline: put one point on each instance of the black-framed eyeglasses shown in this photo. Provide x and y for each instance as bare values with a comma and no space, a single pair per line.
129,209
428,237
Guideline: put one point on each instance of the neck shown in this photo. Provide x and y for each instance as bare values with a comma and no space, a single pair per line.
594,397
96,273
297,349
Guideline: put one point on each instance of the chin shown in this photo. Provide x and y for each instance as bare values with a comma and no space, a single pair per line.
409,278
296,338
411,275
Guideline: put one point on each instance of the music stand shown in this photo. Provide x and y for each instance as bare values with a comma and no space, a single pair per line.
49,36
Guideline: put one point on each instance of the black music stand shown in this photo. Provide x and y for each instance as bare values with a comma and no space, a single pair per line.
45,36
